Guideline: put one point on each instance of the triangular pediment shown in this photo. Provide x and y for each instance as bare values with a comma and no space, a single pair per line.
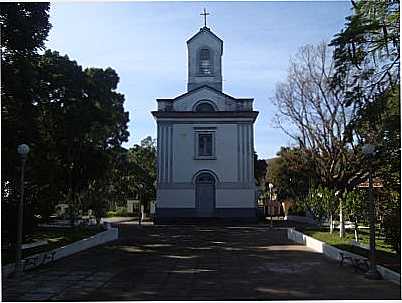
222,101
204,31
200,90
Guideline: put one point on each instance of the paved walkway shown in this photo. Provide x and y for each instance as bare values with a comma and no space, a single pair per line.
196,263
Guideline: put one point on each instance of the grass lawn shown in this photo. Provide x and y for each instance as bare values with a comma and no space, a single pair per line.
385,255
55,237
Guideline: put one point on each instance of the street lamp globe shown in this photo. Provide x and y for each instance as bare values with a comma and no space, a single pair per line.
368,149
23,150
270,185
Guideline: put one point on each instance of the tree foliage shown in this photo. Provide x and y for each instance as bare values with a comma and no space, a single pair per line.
81,120
367,53
141,177
367,57
321,202
260,170
392,220
73,119
291,173
356,208
24,28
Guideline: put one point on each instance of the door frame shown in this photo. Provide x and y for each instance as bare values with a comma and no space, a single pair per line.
196,192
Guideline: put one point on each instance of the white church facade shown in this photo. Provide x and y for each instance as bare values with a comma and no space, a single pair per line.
205,143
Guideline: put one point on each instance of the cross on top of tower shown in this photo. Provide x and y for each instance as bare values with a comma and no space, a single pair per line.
205,14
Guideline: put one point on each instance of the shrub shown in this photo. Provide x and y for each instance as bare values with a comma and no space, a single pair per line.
392,221
392,230
297,209
120,212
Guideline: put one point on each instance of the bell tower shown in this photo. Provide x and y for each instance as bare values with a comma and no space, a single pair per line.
205,51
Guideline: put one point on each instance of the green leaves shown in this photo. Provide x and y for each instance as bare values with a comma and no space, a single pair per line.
142,168
24,27
367,50
292,173
321,201
355,204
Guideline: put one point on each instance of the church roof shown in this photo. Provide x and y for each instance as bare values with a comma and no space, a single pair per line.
205,30
199,88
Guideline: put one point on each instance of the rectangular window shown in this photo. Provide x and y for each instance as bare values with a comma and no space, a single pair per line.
205,144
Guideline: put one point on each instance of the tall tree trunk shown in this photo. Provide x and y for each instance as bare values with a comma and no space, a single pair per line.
72,205
341,221
356,231
331,224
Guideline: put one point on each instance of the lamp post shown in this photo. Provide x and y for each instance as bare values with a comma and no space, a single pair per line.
373,274
23,151
341,219
141,187
270,185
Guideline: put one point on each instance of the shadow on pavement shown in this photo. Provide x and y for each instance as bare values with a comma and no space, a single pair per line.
197,263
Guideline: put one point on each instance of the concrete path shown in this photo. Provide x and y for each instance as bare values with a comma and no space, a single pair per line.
196,263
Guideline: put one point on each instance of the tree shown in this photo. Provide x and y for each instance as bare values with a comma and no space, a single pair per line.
367,57
392,220
24,28
367,54
260,170
80,121
73,119
355,207
291,173
142,170
315,115
322,202
314,204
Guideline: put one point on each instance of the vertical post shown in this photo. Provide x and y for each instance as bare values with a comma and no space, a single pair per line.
341,219
140,214
270,200
18,265
270,203
372,273
141,196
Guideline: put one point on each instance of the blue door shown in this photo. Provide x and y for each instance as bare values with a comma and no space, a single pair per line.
205,195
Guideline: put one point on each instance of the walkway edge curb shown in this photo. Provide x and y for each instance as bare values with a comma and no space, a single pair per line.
333,253
67,250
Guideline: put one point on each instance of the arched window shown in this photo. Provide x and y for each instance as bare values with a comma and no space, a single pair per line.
204,107
205,62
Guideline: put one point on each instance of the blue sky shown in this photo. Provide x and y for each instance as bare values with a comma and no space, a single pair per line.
145,42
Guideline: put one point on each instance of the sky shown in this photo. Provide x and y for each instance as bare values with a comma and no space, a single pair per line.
145,42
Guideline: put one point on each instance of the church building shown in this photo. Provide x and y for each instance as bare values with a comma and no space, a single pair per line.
205,143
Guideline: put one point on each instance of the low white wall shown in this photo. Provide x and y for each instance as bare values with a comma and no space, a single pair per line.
333,253
67,250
